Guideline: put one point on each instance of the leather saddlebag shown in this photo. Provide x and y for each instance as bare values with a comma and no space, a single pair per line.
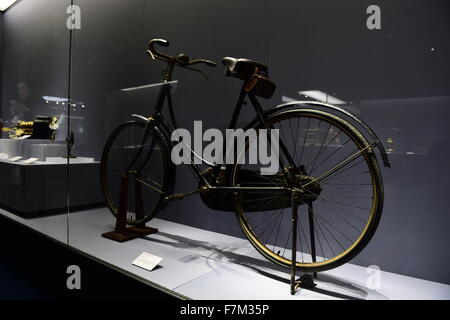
260,86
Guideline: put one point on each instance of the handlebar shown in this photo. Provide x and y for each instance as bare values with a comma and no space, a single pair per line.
182,60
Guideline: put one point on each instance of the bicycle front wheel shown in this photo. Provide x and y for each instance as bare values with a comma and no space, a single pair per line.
339,220
137,154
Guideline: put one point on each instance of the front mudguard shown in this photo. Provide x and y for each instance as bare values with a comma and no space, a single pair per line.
367,131
167,146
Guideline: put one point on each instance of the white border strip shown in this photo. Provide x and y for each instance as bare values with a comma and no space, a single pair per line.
5,4
149,86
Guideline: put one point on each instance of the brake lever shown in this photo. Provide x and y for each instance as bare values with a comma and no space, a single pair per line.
151,54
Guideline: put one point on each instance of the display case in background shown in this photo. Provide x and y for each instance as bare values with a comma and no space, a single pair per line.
35,60
34,178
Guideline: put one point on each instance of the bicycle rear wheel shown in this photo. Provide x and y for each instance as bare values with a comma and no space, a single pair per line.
335,224
140,155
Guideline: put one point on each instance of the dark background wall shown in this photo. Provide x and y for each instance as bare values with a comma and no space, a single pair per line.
396,78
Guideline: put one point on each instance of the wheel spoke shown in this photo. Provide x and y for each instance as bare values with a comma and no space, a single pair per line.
127,144
341,162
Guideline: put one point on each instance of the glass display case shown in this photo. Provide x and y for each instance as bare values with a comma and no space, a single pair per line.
83,66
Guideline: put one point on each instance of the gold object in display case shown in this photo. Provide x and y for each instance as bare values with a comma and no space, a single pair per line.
41,128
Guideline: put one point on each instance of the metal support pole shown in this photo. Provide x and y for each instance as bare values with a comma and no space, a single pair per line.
294,241
306,280
312,235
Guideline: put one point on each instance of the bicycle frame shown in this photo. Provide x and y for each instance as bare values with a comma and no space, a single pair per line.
157,119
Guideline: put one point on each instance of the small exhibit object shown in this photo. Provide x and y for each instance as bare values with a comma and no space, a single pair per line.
14,159
30,160
42,128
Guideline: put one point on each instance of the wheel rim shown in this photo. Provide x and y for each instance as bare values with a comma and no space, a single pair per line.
338,219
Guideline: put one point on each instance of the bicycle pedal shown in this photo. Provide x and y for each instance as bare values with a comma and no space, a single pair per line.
180,196
176,196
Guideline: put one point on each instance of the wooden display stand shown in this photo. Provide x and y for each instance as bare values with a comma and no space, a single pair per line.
123,233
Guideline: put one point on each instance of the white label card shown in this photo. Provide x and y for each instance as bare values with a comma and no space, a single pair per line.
15,158
31,160
147,261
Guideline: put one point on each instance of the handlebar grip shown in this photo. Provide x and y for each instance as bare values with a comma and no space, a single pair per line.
210,63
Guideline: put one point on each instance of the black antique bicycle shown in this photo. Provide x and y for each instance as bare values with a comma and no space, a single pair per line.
317,212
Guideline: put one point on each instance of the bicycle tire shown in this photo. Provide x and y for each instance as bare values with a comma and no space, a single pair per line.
110,180
375,210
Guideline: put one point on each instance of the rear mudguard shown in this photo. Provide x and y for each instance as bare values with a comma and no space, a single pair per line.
369,133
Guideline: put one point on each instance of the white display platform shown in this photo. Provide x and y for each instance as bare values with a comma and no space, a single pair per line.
49,161
200,264
33,148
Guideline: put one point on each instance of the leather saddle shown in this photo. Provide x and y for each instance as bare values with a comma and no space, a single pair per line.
255,75
242,68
